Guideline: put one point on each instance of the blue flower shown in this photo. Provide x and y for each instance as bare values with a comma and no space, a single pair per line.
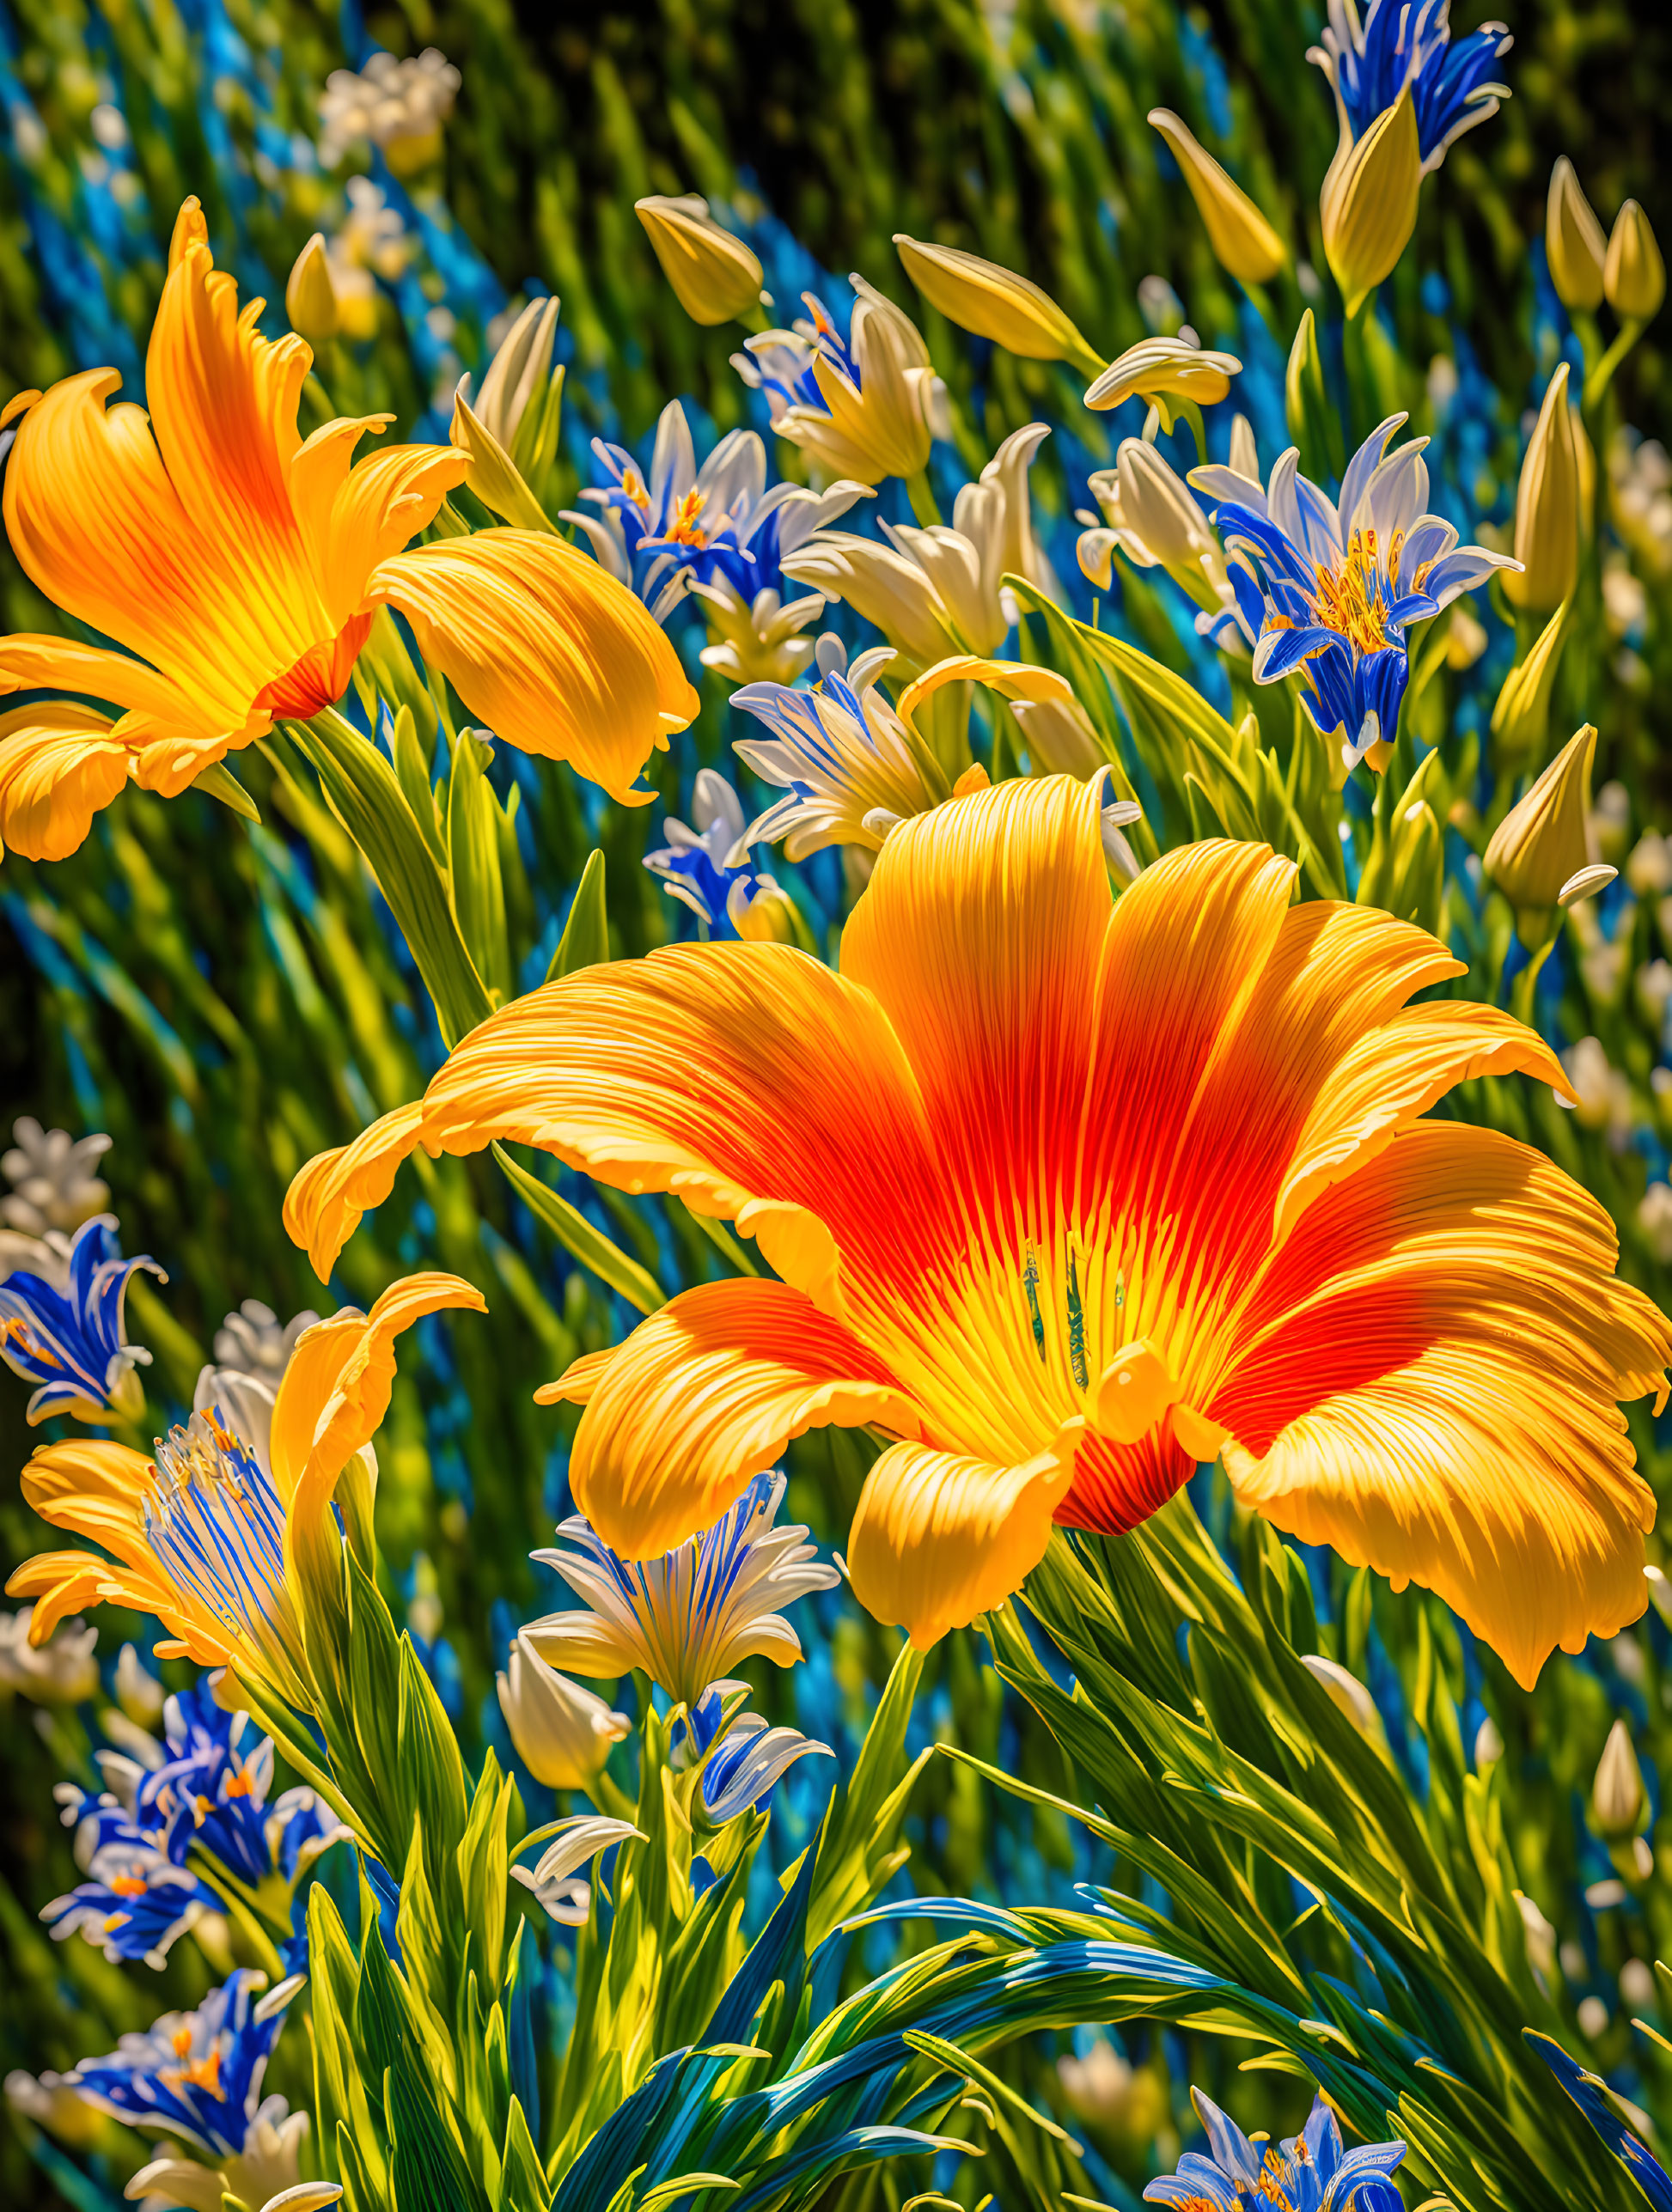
708,868
1370,61
1328,591
197,2074
780,363
715,530
1586,2090
202,1795
688,1618
137,1906
1308,2172
63,1328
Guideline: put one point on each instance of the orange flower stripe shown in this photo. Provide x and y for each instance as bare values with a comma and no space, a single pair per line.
240,567
1067,1194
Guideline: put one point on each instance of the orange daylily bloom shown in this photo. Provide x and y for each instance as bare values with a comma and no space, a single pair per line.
241,566
1068,1194
206,1536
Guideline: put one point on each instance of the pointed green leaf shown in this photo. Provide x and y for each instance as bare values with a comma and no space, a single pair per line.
578,1237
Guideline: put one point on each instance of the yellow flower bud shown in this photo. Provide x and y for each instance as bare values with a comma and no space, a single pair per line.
1539,846
715,275
1521,715
310,298
1616,1797
1368,201
563,1733
1243,240
995,303
1573,240
1547,509
1634,274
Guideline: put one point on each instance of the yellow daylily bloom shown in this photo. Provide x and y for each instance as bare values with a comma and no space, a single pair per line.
1243,241
872,418
1025,1224
240,567
206,1536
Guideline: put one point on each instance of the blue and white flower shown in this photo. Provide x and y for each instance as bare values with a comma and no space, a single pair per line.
1308,2172
743,1759
1371,59
848,767
176,1811
68,1332
1326,591
707,867
865,408
687,1618
717,531
198,2075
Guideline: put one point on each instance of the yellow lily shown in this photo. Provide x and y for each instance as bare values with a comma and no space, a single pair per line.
240,567
1067,1194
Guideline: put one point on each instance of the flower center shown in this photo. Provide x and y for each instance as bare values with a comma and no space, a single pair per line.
216,1524
685,529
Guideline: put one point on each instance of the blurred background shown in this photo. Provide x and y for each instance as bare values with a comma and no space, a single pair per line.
225,1000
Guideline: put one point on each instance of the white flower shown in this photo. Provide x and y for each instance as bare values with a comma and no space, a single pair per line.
53,1183
575,1843
688,1618
138,1692
386,101
1603,1092
1653,1220
60,1671
866,409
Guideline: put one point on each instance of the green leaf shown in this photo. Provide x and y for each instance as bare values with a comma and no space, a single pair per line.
1314,423
362,791
578,1238
412,768
585,939
522,2184
473,848
218,781
431,1771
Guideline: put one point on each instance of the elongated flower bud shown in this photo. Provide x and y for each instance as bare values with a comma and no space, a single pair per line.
310,298
1547,509
715,275
1539,847
1634,274
1521,715
563,1733
1616,1797
1242,238
995,303
1368,201
1573,240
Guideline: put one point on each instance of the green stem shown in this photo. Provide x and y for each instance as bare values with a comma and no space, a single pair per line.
1522,989
1601,376
922,498
1192,415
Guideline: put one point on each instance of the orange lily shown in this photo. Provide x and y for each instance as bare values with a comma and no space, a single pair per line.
240,567
205,1535
1067,1195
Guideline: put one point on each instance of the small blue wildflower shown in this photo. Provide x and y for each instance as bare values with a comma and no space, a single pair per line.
716,530
1328,591
197,2074
63,1326
1308,2172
